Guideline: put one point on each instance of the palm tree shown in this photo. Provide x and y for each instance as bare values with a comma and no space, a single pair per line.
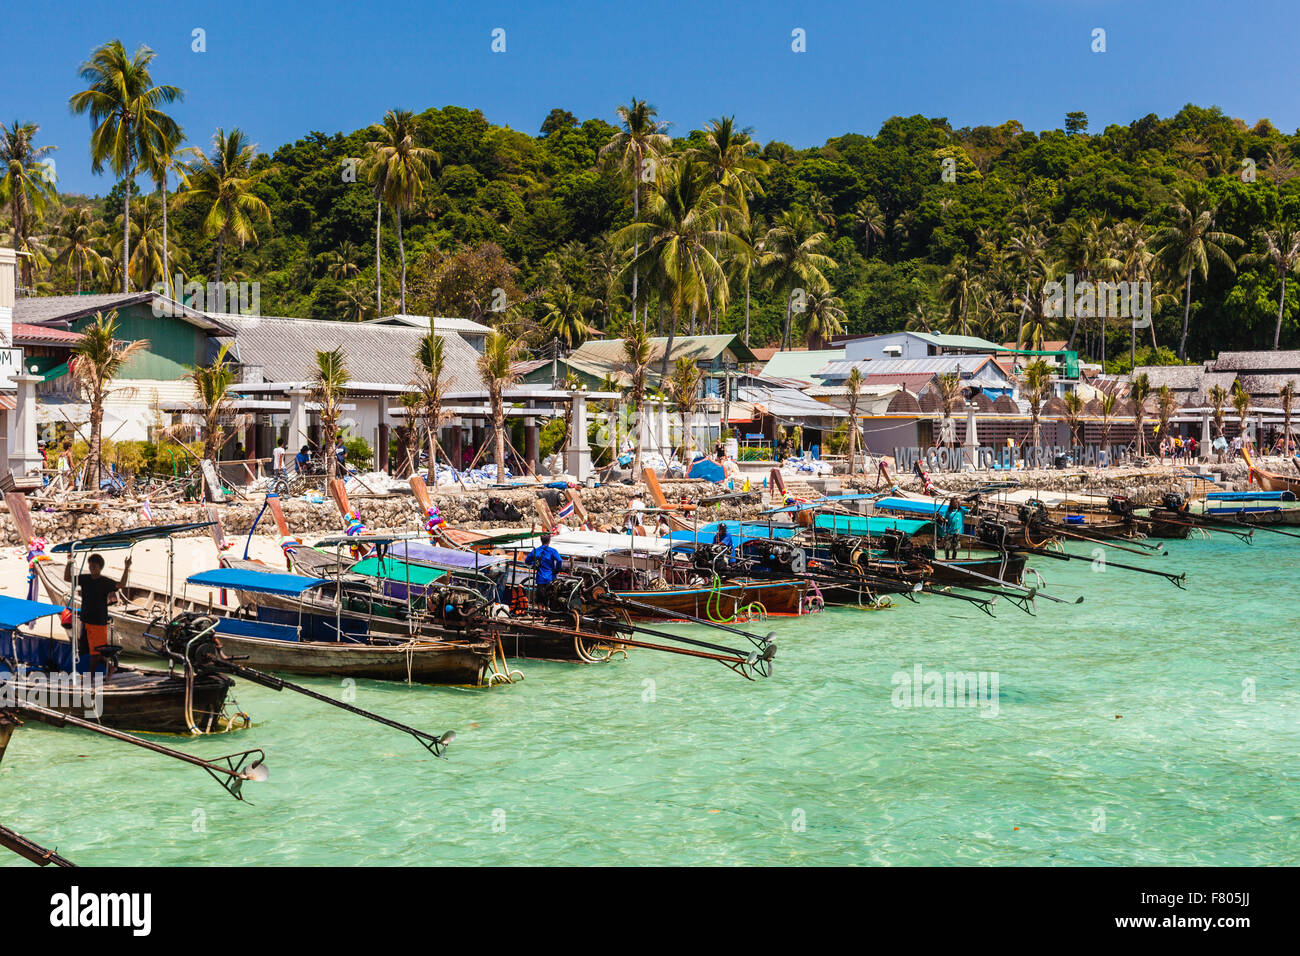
398,170
636,357
76,237
214,399
642,138
1218,396
683,389
328,390
869,221
223,185
1026,252
342,262
431,360
169,157
1282,252
793,259
1286,395
564,317
1109,405
128,128
677,231
959,289
853,385
1187,245
495,366
1138,393
1166,405
146,262
1036,387
26,184
1073,415
97,359
354,303
949,389
1241,405
823,318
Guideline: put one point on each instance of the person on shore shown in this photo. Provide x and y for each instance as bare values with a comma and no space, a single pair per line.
341,453
96,590
548,563
301,459
635,522
65,461
278,457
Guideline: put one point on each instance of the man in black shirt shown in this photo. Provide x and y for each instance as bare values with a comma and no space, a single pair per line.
96,589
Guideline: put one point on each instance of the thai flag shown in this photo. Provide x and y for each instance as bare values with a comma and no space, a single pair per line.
565,511
147,511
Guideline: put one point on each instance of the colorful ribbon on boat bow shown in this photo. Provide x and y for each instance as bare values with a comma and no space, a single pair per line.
35,552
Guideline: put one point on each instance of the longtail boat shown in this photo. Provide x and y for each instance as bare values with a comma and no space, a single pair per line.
48,670
1271,480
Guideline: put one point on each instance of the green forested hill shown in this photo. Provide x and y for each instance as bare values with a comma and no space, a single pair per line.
544,217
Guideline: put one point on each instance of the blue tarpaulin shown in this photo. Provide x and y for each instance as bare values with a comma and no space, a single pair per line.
15,612
258,582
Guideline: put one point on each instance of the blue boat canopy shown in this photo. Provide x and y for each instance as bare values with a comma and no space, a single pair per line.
257,582
15,612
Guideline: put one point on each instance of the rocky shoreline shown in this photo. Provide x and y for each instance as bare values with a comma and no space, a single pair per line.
606,504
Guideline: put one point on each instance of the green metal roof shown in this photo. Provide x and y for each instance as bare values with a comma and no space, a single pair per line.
958,341
802,365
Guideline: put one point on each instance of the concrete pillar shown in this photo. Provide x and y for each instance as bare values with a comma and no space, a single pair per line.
455,447
1205,435
24,456
297,419
577,460
665,432
972,437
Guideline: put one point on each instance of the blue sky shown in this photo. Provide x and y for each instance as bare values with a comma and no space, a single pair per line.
282,69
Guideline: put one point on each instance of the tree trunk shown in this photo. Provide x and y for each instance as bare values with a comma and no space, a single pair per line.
1020,326
379,270
636,245
94,452
221,248
638,406
401,251
1281,307
746,308
126,231
499,436
785,334
167,275
1187,313
668,347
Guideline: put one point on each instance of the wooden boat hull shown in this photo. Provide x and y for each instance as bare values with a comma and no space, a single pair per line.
421,661
777,597
132,699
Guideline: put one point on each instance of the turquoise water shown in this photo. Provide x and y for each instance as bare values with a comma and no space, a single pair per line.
1129,705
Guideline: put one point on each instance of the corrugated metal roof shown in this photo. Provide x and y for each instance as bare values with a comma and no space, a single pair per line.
607,357
66,308
43,335
786,402
441,323
286,351
800,365
931,365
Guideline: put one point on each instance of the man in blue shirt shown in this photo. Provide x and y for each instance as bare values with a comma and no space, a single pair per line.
300,460
723,536
548,563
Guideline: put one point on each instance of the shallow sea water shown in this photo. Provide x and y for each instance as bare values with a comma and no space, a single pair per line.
1147,725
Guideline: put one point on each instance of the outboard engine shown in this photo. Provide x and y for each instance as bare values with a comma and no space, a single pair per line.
993,533
711,558
567,595
456,606
1121,505
1175,501
778,556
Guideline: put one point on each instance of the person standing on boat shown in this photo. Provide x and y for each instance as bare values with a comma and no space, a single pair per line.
723,536
548,563
96,589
